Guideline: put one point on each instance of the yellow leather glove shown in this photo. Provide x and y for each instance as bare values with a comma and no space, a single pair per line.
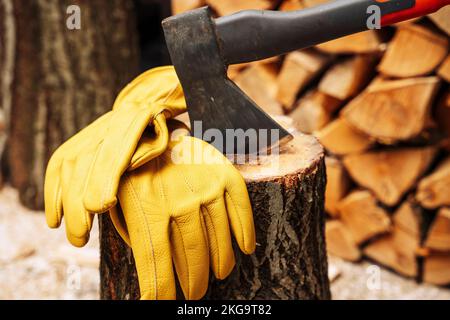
178,207
83,175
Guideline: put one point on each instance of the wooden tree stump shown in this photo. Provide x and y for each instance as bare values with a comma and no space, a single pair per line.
290,262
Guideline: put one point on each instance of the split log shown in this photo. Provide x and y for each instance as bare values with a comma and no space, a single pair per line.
259,82
180,6
291,5
414,51
234,70
442,19
363,217
312,3
444,69
442,116
290,262
299,69
412,219
391,111
391,173
340,138
346,78
363,42
438,237
398,249
340,242
434,190
338,185
313,111
436,269
224,8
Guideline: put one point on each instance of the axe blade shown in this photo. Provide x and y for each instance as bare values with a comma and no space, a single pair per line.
219,111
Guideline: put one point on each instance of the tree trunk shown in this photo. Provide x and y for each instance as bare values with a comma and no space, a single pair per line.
290,261
58,80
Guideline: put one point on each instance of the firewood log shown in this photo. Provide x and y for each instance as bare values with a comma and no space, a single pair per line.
391,111
412,219
259,82
338,185
414,51
438,237
363,42
442,19
340,242
340,138
397,250
444,69
363,217
313,111
180,6
291,5
389,173
442,116
434,190
346,78
299,69
224,8
436,269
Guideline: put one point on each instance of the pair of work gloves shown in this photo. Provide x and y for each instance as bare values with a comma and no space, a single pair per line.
172,200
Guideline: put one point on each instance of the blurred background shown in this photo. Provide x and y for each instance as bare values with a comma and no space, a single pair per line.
378,101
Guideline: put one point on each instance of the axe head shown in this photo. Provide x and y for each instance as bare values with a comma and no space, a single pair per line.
220,113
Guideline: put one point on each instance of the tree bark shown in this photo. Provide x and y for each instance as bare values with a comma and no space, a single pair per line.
62,79
290,260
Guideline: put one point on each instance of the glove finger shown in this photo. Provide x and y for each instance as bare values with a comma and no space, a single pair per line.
151,147
52,192
190,254
77,220
149,239
156,86
219,238
240,212
113,157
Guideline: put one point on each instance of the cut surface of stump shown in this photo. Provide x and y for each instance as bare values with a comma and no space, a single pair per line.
393,110
390,173
290,261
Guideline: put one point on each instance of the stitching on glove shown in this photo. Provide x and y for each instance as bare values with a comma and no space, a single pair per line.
185,258
239,219
215,238
137,204
57,202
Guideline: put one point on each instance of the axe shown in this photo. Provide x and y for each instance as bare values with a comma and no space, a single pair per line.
202,48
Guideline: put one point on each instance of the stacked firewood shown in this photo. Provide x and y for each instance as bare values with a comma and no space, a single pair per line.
379,102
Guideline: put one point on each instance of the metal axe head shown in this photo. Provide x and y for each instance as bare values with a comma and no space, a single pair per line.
219,111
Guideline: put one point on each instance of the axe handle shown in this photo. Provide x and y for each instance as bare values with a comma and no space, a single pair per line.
258,34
